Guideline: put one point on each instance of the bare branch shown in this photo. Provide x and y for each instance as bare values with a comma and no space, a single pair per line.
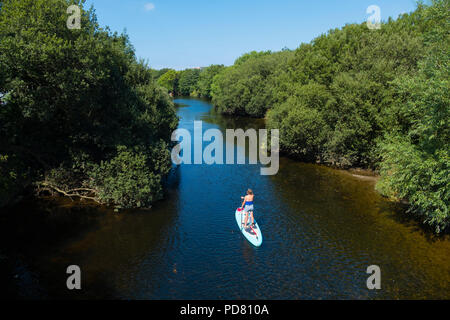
70,193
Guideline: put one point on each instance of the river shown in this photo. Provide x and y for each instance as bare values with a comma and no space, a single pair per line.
322,228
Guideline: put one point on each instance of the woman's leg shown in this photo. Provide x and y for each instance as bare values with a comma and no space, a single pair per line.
246,218
253,219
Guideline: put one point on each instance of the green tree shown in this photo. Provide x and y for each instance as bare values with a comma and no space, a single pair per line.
416,157
246,88
74,96
188,81
169,80
354,67
156,74
206,79
300,119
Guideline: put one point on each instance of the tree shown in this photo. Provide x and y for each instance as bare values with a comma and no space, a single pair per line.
69,92
156,74
188,81
246,88
416,157
169,80
206,78
301,121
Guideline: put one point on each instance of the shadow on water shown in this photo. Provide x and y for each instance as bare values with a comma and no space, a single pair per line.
41,239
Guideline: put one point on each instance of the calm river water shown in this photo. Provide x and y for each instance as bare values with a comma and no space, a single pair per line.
322,228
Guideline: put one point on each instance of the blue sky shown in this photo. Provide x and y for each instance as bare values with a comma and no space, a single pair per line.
183,34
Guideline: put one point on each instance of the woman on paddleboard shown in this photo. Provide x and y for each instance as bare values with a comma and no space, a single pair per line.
247,206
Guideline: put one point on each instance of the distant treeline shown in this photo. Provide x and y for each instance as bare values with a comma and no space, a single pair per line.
354,97
189,82
79,115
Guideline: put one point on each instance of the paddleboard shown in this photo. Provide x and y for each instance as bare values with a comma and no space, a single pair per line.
252,234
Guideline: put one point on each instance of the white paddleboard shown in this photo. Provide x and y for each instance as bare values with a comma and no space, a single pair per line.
253,234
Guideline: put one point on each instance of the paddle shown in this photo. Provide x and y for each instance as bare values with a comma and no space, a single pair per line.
241,215
240,210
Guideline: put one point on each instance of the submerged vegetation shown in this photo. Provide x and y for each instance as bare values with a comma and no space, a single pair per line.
357,97
81,115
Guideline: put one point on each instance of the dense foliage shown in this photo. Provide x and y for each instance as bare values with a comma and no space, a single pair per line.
246,88
189,82
187,85
206,79
359,97
80,115
416,157
169,80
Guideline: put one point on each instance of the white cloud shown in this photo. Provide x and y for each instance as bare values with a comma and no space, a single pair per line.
149,6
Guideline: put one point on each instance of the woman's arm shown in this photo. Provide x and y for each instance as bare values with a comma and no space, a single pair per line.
243,202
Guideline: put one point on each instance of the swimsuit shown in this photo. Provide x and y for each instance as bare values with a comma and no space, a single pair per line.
248,206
